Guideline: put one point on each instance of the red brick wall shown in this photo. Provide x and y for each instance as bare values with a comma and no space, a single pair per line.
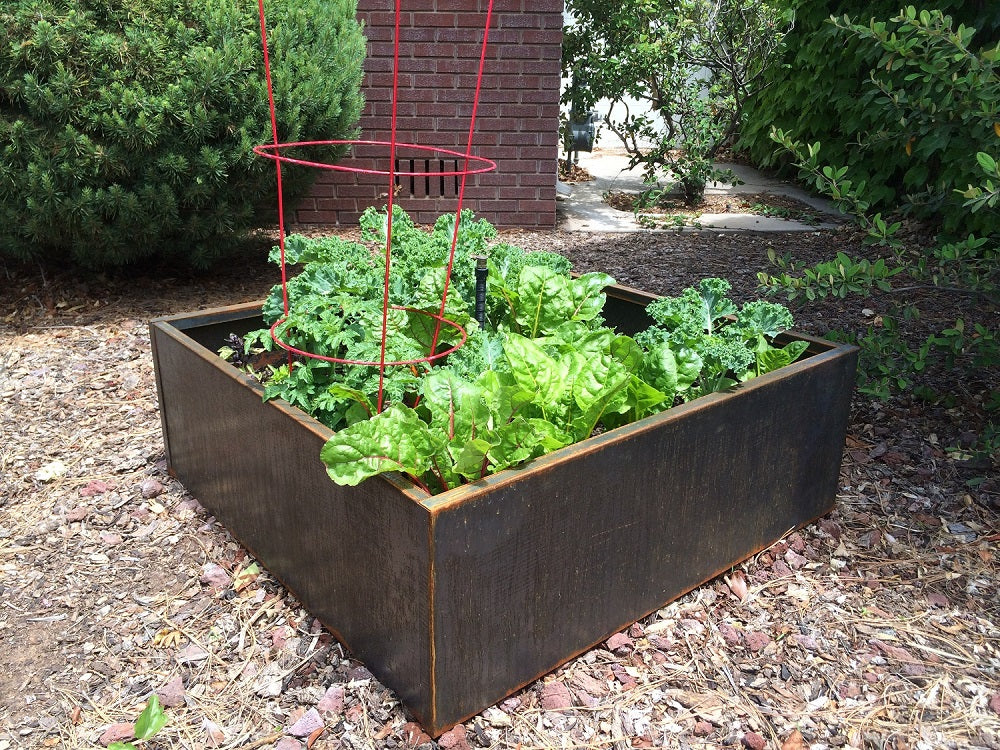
516,124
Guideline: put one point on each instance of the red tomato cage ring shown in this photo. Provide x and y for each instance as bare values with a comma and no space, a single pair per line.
429,358
475,165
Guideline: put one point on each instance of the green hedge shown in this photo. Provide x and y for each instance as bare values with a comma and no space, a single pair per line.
822,92
126,126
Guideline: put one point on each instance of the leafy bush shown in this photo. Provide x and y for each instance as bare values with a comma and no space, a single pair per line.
692,63
126,127
916,127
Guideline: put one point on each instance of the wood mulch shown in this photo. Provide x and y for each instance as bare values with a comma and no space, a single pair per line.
876,627
673,211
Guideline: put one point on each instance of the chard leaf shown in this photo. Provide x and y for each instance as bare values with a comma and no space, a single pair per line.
644,399
626,351
598,384
522,439
587,293
661,369
773,358
455,405
534,370
543,301
577,335
344,393
502,396
689,365
471,458
395,440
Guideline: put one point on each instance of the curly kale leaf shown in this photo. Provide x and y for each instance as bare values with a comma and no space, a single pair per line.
762,318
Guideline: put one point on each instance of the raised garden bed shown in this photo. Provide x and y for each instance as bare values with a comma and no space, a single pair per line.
455,601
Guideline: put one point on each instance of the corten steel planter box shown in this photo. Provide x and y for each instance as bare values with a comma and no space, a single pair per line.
455,601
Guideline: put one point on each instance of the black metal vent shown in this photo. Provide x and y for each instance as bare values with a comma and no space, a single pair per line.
432,180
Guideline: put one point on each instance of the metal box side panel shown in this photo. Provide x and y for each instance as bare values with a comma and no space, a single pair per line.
357,558
530,573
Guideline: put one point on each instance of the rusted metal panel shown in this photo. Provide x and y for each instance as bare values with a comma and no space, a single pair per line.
545,566
454,601
357,558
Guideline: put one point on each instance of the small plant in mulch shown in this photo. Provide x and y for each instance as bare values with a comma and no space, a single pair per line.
152,719
572,173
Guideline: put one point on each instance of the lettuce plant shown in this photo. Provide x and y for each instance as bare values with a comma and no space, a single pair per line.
542,373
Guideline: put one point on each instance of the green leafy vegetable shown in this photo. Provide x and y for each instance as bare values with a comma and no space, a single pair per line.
543,373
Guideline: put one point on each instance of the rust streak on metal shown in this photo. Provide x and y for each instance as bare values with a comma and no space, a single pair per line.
432,645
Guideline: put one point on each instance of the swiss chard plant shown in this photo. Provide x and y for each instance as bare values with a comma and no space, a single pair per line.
542,373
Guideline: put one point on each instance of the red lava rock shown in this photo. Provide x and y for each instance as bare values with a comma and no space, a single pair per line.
454,739
359,673
555,696
190,504
151,488
935,599
627,681
871,677
703,728
591,685
780,569
849,690
807,642
895,458
191,654
77,514
309,723
117,733
288,743
96,487
110,539
280,636
171,695
995,703
795,560
413,735
914,670
620,644
894,652
797,543
730,634
333,701
794,741
213,733
663,644
831,528
215,577
753,741
756,641
636,631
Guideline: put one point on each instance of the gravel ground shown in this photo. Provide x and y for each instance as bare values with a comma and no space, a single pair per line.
876,627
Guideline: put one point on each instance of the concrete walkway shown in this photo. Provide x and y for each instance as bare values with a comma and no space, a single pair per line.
584,209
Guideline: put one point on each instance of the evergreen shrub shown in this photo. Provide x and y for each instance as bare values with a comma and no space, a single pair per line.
127,126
